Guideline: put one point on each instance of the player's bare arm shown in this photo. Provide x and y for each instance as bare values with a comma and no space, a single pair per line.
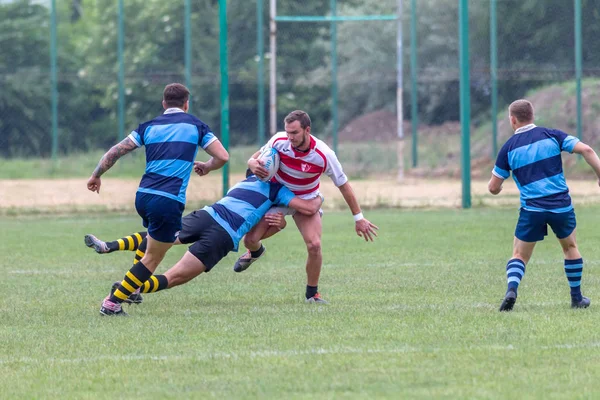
495,185
256,166
108,160
590,157
364,228
307,207
219,157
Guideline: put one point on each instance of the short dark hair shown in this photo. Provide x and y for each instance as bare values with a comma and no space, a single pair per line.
522,110
299,116
175,95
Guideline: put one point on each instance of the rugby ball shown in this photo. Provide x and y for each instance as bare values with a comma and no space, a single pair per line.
270,158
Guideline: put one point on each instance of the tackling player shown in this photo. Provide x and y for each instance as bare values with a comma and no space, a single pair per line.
303,159
214,231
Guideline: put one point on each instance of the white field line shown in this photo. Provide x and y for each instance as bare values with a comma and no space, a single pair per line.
289,353
51,271
557,262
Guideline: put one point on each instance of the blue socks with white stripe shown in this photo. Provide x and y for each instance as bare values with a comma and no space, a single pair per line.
515,269
574,270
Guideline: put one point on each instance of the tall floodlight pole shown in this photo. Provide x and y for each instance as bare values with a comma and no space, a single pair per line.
494,75
465,102
224,68
578,65
121,76
188,45
334,82
260,49
414,113
53,80
273,67
399,105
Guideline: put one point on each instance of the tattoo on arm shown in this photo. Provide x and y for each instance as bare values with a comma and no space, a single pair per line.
110,158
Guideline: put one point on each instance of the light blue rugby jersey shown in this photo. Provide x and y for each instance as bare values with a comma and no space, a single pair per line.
245,204
171,142
533,156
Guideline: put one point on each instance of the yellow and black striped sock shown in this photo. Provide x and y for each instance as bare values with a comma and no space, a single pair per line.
141,250
131,242
134,278
154,284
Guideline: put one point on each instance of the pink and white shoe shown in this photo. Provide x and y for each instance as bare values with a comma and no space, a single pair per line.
109,308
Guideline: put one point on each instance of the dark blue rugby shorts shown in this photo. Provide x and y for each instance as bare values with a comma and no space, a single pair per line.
160,215
533,225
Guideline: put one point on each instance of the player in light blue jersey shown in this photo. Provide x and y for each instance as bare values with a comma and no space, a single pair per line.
216,230
171,141
533,154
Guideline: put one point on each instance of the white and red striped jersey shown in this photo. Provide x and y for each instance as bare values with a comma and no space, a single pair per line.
301,172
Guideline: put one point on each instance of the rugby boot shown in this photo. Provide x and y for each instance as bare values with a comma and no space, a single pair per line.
509,301
99,246
317,299
108,308
246,260
583,303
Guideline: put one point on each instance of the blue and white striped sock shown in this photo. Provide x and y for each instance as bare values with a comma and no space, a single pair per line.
515,269
574,270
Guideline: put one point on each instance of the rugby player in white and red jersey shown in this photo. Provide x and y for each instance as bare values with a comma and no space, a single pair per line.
303,159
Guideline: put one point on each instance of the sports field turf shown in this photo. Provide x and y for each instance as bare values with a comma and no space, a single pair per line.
413,315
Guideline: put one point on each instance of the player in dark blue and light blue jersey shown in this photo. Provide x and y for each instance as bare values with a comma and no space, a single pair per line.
216,230
171,142
533,154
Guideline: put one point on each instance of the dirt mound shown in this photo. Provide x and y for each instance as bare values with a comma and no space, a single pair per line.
381,126
439,146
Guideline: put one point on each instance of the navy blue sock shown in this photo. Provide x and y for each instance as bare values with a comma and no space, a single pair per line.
574,270
515,269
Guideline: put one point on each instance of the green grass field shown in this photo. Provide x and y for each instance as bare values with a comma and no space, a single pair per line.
413,315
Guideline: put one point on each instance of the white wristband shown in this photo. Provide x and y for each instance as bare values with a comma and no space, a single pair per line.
358,217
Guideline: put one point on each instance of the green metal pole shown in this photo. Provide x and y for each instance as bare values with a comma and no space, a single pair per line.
121,78
260,49
578,64
414,112
494,73
224,87
53,80
334,83
465,102
399,91
188,45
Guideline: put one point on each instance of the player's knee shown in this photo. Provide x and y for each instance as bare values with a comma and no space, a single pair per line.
313,247
570,249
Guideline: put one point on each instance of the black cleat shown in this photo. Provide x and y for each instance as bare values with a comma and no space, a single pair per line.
99,246
509,301
134,298
583,303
